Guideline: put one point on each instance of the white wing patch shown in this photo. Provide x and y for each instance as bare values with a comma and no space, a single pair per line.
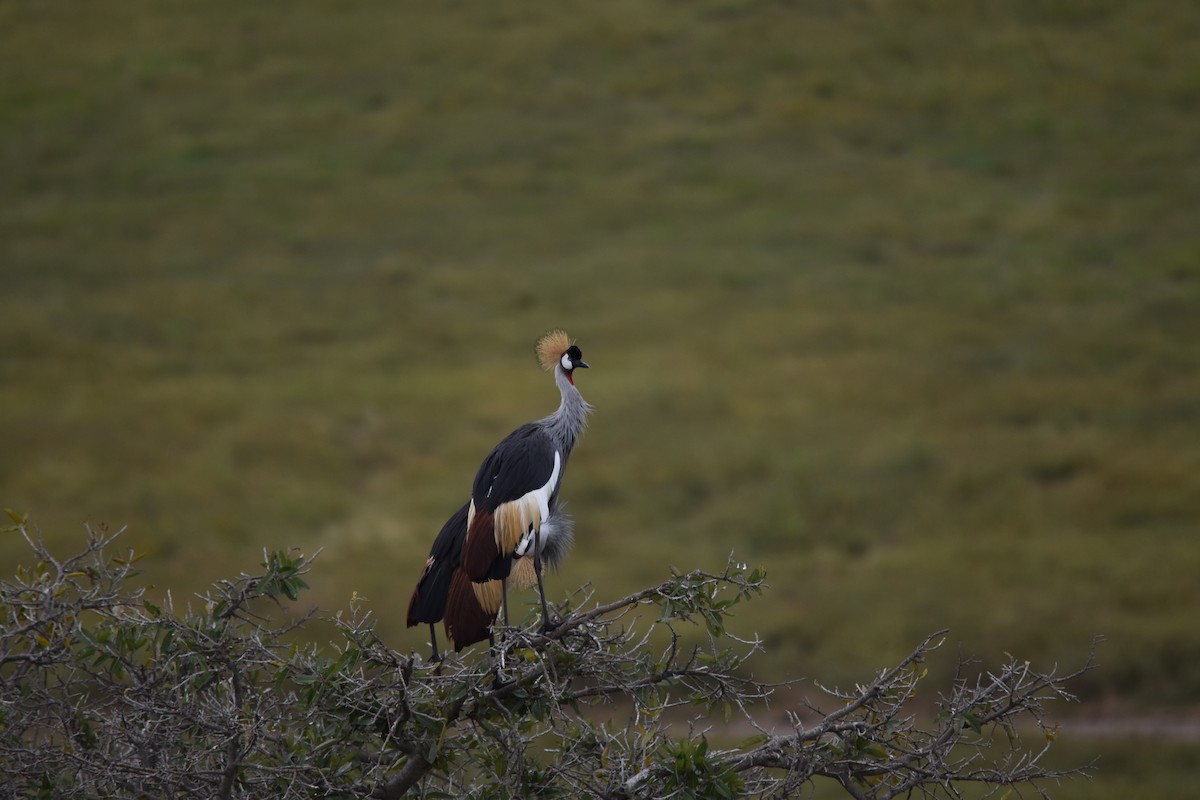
516,523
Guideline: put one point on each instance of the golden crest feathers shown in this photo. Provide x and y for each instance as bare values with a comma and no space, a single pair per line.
551,347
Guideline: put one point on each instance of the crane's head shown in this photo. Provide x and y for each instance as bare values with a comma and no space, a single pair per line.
555,349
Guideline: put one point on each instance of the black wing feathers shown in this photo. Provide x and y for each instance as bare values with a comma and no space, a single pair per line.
428,603
518,465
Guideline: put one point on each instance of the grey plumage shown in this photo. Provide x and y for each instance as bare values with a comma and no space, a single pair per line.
563,427
567,423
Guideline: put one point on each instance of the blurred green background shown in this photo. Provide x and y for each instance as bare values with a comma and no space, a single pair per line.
898,299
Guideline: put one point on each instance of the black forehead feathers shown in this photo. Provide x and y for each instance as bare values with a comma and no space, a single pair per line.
574,353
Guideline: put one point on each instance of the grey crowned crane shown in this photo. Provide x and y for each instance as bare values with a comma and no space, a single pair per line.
514,525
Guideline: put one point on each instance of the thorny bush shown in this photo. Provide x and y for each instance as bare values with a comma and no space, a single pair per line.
105,694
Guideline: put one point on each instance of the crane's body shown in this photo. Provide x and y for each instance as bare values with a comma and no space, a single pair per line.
476,604
513,523
518,482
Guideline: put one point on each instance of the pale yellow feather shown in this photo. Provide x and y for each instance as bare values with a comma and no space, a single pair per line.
512,521
522,572
488,594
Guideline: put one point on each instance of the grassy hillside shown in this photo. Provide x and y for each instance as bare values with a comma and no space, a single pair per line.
897,299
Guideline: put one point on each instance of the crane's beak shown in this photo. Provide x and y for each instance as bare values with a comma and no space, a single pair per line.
583,364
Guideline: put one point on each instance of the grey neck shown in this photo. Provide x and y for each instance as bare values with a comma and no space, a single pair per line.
566,425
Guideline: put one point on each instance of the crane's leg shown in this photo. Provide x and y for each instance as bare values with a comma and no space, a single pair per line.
436,658
433,643
547,625
496,682
504,599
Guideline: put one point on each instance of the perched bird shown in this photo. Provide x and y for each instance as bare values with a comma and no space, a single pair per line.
514,523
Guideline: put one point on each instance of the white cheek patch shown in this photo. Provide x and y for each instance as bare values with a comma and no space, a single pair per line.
566,362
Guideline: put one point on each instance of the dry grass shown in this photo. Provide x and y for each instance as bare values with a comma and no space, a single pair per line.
897,300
